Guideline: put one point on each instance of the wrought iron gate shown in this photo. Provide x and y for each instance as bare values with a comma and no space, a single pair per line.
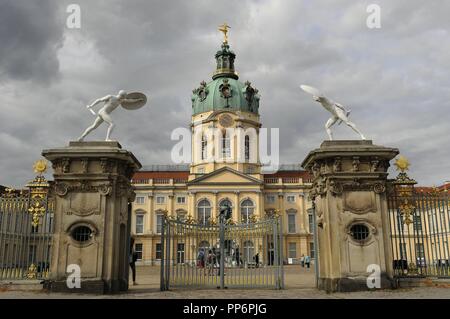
420,228
26,229
221,256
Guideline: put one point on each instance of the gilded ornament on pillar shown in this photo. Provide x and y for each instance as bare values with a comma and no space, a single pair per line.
406,210
38,193
402,163
40,167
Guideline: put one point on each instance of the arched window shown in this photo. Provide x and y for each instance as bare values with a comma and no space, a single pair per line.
247,148
249,251
247,209
204,146
226,150
204,212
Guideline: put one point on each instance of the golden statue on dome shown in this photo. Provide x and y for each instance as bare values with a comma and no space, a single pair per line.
224,28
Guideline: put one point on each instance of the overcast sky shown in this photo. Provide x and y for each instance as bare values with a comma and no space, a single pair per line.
394,79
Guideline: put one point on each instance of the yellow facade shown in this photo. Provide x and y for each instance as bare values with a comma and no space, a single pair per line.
272,195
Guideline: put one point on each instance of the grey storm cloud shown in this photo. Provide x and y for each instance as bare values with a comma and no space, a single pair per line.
30,37
394,79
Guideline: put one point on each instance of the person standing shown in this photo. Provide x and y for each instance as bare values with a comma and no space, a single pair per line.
210,261
238,257
307,261
132,260
302,260
257,260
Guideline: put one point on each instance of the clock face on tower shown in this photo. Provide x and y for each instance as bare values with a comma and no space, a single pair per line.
226,120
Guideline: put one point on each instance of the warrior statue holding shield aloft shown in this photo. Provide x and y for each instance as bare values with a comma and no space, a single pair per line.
131,101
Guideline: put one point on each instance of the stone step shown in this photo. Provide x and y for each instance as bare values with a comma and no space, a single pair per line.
21,285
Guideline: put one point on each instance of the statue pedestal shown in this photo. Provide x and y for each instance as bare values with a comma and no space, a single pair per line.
92,216
349,194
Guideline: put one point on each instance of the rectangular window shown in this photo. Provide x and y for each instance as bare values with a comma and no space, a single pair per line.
311,220
312,251
140,200
291,223
159,220
160,199
226,150
181,200
201,170
290,198
180,253
31,254
270,199
158,251
292,250
138,249
417,223
139,224
420,252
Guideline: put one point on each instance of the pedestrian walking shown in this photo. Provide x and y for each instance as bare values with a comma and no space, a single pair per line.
210,262
201,258
302,261
307,261
132,257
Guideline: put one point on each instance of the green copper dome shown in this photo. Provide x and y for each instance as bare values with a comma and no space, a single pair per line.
225,91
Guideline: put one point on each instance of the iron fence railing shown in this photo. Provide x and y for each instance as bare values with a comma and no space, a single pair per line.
420,229
26,230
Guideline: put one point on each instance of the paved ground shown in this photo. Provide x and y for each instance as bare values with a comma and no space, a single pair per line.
299,284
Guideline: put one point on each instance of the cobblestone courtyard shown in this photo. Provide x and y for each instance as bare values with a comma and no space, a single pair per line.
299,283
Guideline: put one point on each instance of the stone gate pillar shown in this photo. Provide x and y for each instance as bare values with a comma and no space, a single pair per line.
349,193
92,190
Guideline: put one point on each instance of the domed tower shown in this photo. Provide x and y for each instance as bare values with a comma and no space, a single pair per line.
225,120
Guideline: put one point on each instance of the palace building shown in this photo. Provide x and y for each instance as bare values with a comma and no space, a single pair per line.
225,171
